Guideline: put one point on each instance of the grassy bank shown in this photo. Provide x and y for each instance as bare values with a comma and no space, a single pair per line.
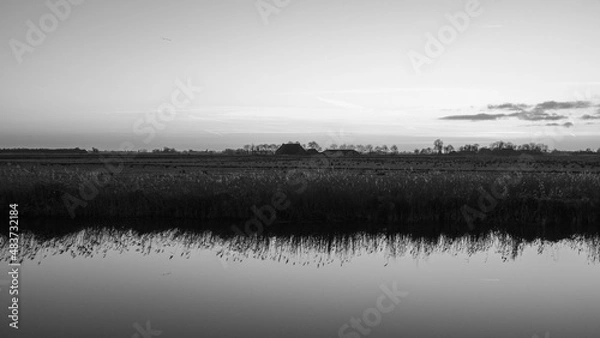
310,195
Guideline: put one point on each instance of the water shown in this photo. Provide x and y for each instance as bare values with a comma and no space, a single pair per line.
120,283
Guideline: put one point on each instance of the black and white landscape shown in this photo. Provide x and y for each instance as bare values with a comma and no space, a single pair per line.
300,168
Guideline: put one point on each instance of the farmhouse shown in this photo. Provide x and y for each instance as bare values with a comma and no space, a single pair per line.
341,152
312,152
290,149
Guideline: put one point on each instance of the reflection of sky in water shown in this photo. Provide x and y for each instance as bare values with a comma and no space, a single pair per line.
457,287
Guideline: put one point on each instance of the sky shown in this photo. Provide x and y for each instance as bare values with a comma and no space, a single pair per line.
224,73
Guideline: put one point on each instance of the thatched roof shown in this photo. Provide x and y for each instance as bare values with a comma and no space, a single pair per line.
290,149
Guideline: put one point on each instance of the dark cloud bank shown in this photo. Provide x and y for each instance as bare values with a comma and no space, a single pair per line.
529,113
566,124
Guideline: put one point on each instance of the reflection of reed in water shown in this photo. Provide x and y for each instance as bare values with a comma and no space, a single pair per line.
317,250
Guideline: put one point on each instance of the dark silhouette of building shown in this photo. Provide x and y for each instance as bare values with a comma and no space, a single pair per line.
290,149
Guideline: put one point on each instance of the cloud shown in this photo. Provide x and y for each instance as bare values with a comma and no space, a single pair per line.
534,115
548,105
477,117
590,117
537,115
545,111
509,106
563,105
525,112
566,125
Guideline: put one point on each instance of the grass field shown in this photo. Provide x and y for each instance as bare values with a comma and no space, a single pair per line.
377,191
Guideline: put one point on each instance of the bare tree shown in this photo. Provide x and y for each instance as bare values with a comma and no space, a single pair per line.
314,145
448,149
438,145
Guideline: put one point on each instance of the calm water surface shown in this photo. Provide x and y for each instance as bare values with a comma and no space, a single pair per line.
109,283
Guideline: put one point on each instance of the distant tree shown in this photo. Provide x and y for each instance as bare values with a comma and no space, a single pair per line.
438,145
448,149
333,146
314,145
470,148
416,151
533,147
247,148
360,148
498,145
95,150
394,149
598,151
368,148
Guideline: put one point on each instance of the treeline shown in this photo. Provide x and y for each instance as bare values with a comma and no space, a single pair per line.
438,148
43,150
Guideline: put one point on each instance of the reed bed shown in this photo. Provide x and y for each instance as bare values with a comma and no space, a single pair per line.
287,249
394,198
